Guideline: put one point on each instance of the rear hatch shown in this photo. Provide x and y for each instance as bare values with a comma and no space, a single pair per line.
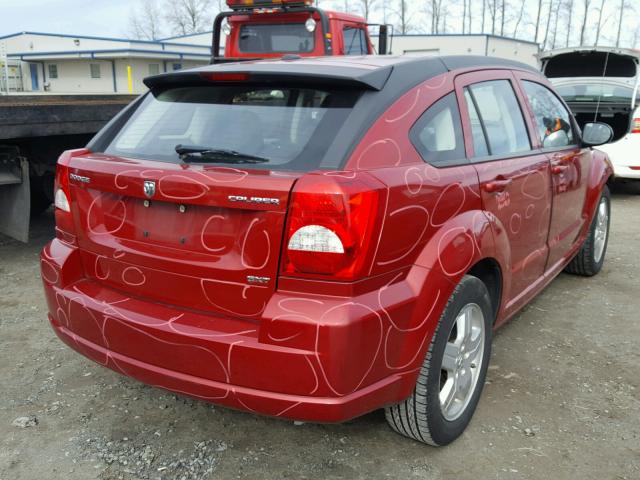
200,226
597,84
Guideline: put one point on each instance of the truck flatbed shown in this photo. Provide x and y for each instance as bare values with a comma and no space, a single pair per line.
25,116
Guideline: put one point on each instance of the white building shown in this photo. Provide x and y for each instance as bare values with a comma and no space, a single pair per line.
80,64
57,63
447,44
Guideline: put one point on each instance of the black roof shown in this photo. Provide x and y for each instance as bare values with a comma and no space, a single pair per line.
370,72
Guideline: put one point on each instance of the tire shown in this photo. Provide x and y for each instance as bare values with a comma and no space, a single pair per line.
422,417
589,260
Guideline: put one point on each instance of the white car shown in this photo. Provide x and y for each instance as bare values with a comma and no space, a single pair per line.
600,84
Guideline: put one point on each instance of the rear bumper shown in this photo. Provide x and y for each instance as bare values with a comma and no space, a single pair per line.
331,369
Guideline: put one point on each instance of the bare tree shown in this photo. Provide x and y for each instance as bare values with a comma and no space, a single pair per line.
622,7
464,17
546,30
437,15
188,16
367,7
556,21
519,20
535,36
145,21
404,17
492,7
569,12
586,4
502,17
599,26
484,11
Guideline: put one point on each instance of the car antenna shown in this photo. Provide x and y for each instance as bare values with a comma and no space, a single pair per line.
604,74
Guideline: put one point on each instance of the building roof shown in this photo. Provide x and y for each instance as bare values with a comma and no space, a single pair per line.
108,54
106,39
69,47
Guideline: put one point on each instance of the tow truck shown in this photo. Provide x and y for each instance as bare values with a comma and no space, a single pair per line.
258,29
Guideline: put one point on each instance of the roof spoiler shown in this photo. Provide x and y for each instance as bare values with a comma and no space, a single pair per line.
282,73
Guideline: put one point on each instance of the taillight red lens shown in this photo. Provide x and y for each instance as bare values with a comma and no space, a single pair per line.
636,126
332,220
62,195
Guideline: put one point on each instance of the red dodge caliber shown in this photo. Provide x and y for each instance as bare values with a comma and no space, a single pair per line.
315,239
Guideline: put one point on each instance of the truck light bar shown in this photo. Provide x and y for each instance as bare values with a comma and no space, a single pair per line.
265,5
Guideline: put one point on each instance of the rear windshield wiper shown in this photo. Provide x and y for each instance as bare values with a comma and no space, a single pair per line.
198,154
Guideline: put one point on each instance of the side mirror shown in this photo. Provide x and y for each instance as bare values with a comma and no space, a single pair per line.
595,134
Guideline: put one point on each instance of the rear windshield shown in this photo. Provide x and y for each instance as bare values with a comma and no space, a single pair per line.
291,128
590,64
596,92
276,38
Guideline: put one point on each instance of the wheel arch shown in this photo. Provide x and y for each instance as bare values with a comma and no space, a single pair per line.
489,272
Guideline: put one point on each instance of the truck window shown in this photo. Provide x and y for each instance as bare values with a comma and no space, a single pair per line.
292,127
276,38
355,41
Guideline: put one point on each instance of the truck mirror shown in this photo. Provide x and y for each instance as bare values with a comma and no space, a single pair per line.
383,40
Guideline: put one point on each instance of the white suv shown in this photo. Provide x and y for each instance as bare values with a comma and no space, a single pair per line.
601,84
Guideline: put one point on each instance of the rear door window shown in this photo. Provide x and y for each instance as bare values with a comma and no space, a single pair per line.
501,117
276,38
355,41
553,120
437,135
289,128
477,130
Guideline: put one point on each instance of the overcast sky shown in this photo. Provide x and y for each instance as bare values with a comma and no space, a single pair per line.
83,17
111,17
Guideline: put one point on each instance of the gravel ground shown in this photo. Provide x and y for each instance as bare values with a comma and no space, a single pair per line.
562,400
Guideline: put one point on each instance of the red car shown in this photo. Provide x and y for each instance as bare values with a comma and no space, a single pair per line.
314,239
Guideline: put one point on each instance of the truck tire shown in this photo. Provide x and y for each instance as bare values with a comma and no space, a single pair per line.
452,376
589,260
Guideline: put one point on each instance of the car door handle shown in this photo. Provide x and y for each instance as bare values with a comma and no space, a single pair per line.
559,169
496,186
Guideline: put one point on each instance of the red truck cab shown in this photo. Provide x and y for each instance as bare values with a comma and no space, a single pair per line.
276,28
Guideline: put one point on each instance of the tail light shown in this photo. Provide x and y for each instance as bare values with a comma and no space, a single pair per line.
332,221
636,126
62,196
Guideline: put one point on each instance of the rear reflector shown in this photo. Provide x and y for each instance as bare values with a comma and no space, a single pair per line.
636,126
634,168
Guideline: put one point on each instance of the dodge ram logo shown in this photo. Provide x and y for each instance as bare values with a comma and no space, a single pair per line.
149,188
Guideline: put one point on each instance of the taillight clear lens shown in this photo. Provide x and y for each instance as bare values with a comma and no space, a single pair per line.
316,238
61,201
331,226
